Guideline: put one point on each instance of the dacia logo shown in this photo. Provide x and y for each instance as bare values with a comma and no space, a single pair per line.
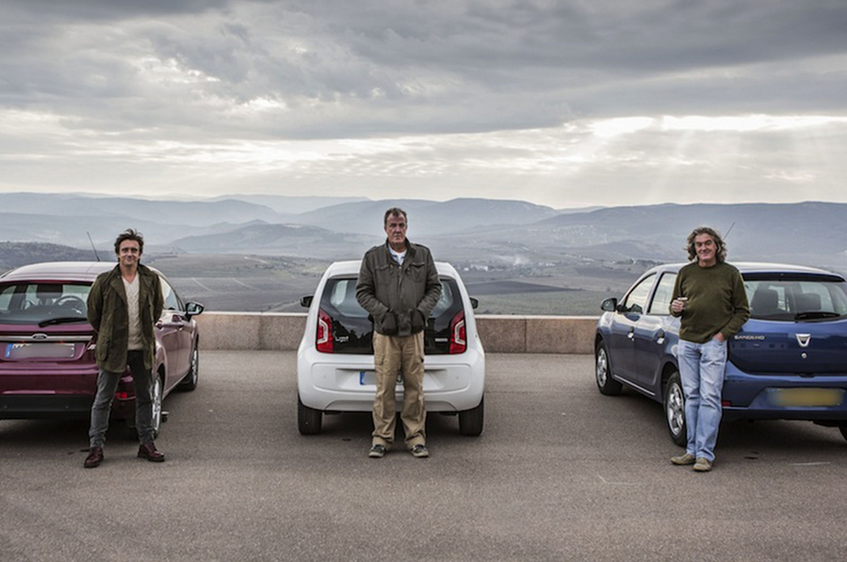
804,339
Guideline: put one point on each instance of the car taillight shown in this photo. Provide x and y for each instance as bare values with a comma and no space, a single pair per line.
324,336
458,341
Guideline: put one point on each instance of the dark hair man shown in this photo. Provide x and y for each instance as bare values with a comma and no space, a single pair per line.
399,286
709,297
123,306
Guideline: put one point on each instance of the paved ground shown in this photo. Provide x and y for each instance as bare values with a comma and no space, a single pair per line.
560,473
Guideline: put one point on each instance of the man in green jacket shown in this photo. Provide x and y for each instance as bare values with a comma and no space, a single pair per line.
709,297
123,306
399,286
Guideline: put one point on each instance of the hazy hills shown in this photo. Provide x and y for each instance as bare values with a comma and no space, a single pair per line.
480,231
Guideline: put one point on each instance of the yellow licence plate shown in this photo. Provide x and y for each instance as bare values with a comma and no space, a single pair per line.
807,397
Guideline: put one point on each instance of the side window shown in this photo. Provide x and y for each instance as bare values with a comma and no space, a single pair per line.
636,300
172,302
662,298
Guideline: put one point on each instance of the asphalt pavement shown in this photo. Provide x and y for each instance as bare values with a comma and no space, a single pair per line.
559,473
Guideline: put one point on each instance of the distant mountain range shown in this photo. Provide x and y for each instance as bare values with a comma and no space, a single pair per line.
467,230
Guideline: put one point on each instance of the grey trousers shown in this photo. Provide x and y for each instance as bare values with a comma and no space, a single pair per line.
107,384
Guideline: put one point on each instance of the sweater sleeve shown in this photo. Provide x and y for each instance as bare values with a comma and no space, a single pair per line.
740,306
677,292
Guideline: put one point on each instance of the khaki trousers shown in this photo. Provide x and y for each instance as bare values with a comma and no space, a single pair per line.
404,354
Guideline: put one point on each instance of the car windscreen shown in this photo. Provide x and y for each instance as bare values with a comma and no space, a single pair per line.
43,303
352,328
795,297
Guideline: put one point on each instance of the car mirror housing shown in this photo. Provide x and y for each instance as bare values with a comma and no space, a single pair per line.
610,305
306,301
474,303
193,309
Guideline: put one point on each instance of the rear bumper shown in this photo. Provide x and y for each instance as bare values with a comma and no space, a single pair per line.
750,396
345,384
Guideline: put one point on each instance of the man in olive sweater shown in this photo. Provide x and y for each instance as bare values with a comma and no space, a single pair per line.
709,297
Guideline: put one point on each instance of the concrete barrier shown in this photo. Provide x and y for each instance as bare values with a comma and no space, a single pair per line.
499,333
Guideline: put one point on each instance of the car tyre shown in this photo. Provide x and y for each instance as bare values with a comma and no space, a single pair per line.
131,428
189,383
603,372
471,421
158,388
308,419
674,402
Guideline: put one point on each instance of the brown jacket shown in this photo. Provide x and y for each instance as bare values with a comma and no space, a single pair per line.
394,295
107,313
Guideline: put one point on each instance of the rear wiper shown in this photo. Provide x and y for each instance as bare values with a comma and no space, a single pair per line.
815,314
63,320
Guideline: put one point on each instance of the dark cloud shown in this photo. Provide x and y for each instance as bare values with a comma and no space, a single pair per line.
365,68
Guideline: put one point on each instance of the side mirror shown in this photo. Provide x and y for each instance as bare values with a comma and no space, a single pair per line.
306,301
474,303
193,309
610,305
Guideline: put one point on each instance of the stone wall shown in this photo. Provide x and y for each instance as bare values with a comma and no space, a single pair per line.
499,334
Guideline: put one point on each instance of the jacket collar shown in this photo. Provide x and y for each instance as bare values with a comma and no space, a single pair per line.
410,249
116,282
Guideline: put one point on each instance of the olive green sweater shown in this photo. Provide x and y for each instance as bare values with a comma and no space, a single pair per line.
716,302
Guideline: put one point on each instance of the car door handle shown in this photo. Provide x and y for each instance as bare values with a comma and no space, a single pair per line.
660,337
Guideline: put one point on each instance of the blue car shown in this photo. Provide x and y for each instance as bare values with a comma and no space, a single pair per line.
788,361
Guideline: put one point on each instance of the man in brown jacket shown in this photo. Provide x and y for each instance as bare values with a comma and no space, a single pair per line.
123,306
399,286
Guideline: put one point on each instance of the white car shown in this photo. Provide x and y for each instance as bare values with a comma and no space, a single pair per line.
335,364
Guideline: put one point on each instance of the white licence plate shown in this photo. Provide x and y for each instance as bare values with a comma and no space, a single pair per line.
18,351
369,378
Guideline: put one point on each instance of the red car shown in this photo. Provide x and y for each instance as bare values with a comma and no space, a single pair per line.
47,364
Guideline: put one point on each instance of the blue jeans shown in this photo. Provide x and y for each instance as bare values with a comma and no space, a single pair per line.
701,368
107,384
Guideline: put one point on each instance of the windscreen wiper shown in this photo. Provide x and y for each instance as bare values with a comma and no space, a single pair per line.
62,320
815,314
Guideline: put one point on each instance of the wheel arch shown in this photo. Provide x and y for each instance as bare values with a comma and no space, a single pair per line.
667,370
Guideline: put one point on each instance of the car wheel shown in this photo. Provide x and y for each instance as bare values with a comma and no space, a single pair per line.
189,383
308,419
157,406
674,401
603,372
471,421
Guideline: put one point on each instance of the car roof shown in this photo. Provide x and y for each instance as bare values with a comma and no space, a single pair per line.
352,267
757,267
59,271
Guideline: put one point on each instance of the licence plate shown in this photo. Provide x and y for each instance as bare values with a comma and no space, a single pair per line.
807,397
18,351
369,377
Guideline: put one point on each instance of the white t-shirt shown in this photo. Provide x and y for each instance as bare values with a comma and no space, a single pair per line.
398,256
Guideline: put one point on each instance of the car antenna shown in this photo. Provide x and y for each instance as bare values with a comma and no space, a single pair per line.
96,255
728,231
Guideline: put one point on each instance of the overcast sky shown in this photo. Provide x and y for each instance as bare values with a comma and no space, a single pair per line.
563,103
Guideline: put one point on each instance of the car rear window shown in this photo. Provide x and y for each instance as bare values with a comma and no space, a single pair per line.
352,328
36,303
795,297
